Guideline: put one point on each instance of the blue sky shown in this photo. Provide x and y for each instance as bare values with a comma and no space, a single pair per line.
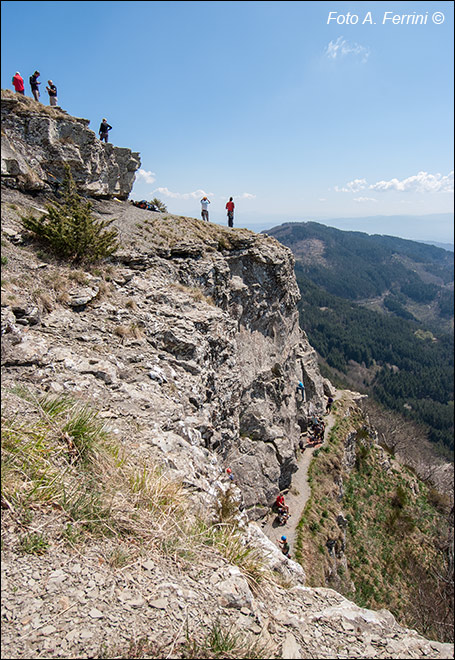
299,110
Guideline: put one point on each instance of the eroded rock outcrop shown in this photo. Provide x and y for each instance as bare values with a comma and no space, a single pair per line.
195,338
38,140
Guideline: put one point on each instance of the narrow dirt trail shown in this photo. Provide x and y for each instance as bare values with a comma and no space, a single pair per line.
299,492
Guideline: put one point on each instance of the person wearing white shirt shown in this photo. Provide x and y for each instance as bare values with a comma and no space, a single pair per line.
205,208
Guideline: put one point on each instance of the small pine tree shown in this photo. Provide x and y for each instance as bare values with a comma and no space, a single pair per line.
159,205
70,230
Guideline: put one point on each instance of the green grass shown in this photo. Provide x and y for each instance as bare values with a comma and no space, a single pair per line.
59,457
218,641
33,544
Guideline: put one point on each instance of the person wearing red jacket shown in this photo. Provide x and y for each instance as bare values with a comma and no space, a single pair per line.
280,503
230,212
18,83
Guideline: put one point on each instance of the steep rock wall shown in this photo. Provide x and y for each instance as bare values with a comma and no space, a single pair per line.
251,363
212,367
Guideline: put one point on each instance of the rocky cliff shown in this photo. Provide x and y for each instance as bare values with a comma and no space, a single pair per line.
38,140
187,345
195,337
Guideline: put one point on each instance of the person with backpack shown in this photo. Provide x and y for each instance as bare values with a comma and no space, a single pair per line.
52,91
230,212
18,83
33,80
104,131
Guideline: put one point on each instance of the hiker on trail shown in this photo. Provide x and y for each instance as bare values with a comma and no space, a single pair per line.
229,474
18,83
205,208
328,407
104,130
230,212
34,85
319,432
284,545
281,504
322,430
301,388
52,91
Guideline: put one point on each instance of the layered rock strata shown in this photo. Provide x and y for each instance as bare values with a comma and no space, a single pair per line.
38,140
195,339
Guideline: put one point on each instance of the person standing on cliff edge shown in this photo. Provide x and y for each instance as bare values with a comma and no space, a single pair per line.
230,212
104,131
18,83
33,80
205,208
52,91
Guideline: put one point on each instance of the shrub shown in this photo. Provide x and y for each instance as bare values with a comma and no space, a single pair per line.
70,230
159,205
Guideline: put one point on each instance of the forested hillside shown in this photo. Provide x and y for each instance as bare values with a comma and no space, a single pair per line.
379,311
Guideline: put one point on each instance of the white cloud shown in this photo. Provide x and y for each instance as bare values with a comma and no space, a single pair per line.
360,200
353,186
148,177
341,48
196,194
421,183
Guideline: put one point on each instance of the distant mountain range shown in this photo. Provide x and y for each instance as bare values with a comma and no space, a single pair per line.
360,267
445,246
379,310
431,228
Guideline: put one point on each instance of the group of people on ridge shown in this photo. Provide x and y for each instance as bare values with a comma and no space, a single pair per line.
229,207
19,87
18,84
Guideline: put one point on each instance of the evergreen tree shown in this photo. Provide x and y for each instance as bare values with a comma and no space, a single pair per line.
159,205
70,230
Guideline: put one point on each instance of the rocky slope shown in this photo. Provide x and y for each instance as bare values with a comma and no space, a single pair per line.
188,345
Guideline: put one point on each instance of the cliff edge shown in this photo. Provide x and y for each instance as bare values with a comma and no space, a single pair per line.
38,140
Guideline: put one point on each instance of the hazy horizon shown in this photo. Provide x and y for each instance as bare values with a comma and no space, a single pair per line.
428,228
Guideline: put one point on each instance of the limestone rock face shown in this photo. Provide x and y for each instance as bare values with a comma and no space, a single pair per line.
38,140
197,339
